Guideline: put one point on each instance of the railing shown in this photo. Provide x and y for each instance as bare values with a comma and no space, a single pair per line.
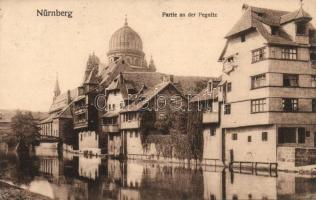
152,157
80,124
110,128
210,117
130,124
253,167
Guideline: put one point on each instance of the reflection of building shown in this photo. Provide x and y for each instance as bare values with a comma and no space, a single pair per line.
214,185
89,167
243,186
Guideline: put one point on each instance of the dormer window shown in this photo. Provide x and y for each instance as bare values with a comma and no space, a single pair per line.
274,30
300,28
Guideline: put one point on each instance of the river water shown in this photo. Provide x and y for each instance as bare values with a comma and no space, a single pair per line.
73,177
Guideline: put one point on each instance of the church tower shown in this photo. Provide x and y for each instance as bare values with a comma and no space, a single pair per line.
57,88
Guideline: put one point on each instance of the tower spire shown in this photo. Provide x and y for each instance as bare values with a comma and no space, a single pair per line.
57,88
125,20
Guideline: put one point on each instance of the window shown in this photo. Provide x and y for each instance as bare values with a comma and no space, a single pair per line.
131,134
109,106
121,105
300,29
290,80
264,136
289,53
258,81
212,131
227,109
258,105
212,197
229,87
313,105
81,137
113,106
290,104
136,134
234,136
243,38
257,55
274,30
313,79
249,138
301,135
286,135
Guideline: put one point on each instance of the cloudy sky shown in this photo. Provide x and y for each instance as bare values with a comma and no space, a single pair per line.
33,49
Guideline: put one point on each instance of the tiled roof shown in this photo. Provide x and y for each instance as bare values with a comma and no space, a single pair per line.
300,13
205,95
254,18
146,96
111,114
61,101
92,78
113,69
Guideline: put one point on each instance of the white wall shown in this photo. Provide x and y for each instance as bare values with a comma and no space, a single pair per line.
254,151
89,141
212,147
134,144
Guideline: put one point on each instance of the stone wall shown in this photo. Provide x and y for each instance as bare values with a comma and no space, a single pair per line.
304,156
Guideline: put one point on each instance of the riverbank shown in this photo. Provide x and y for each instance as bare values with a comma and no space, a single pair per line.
11,192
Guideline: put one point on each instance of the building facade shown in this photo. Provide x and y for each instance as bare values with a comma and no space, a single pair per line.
268,93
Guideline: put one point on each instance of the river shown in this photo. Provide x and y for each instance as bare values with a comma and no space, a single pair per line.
73,177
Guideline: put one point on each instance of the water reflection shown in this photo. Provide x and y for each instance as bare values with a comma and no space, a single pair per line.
73,177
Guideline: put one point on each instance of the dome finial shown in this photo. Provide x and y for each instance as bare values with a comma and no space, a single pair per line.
125,20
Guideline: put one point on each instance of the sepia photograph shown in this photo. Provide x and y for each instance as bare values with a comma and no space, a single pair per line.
158,100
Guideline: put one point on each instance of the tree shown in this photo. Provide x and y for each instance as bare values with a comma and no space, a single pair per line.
25,129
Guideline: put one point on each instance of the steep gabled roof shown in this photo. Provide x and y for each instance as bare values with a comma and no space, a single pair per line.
296,15
147,95
254,18
62,100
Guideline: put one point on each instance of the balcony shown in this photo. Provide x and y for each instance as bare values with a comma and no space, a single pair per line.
110,128
80,124
79,110
130,124
210,117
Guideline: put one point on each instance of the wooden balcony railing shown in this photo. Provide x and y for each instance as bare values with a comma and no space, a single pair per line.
110,128
130,124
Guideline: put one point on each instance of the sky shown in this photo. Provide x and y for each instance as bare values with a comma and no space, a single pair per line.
33,49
